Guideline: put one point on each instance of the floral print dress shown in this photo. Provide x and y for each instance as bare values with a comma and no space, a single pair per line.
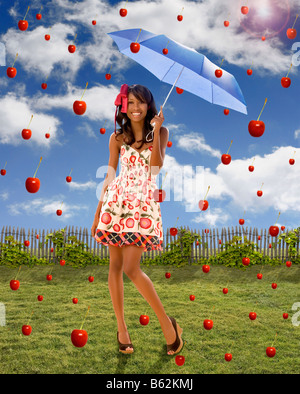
130,215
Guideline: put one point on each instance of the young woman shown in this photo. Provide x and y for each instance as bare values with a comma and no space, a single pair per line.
128,218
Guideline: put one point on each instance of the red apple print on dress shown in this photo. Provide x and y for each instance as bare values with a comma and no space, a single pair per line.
145,223
106,218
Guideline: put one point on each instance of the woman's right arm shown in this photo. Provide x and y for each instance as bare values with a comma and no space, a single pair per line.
114,152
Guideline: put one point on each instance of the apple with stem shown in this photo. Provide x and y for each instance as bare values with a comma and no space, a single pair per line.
3,170
256,128
33,184
23,24
69,178
72,47
274,230
291,32
26,328
260,192
226,158
242,221
180,16
38,16
173,230
79,337
144,320
11,72
203,204
286,81
159,195
26,133
218,71
79,106
135,46
59,211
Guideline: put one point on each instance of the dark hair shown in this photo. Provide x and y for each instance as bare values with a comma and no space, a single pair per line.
143,94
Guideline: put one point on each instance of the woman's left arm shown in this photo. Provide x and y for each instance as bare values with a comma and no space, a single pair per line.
160,140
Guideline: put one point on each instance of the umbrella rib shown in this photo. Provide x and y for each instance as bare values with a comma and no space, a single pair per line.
168,71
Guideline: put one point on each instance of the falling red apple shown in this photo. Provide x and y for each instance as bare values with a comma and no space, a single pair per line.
168,275
123,12
218,73
71,48
40,298
179,18
259,193
169,144
102,130
270,351
26,329
144,320
3,171
228,356
91,279
192,297
47,37
59,212
291,33
11,72
173,231
14,284
274,286
37,236
249,71
282,228
44,85
62,262
225,290
273,231
259,276
256,128
26,243
108,76
226,23
26,134
165,51
251,168
244,10
245,260
226,111
285,316
203,205
159,195
68,178
288,263
241,221
32,184
206,231
208,324
252,315
79,338
292,162
225,159
75,300
94,22
263,38
38,16
135,47
23,25
79,107
205,268
49,277
258,237
286,82
47,135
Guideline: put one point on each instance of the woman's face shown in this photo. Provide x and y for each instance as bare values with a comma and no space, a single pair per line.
136,109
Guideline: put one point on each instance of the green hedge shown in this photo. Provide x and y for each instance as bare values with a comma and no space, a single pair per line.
76,253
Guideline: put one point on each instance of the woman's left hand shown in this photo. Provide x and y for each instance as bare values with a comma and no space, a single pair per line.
158,120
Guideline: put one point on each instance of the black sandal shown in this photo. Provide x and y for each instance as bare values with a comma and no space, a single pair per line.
123,346
178,344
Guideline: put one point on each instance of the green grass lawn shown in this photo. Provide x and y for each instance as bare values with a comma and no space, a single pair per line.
49,350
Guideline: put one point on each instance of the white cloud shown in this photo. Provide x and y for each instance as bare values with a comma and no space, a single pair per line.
82,186
195,142
46,208
4,196
297,134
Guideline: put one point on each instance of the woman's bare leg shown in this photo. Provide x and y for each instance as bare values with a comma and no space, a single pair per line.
116,289
131,261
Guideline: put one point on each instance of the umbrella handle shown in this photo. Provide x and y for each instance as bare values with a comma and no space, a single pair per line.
153,124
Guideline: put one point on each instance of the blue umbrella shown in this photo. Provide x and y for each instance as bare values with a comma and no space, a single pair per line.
183,66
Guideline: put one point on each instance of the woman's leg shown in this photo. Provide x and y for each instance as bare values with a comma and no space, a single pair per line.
131,260
116,289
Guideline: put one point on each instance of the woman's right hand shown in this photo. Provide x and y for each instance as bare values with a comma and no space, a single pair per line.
94,227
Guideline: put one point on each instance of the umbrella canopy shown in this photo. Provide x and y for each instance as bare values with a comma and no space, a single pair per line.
191,70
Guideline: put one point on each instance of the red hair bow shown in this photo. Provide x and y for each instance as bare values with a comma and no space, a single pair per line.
121,99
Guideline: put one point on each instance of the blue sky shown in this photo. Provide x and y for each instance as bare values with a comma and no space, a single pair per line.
199,131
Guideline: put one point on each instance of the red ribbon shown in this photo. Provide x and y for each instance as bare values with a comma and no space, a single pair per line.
121,99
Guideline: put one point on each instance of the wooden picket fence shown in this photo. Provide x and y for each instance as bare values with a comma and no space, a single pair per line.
210,245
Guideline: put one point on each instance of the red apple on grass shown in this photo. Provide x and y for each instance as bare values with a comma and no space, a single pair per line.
192,297
270,351
259,276
49,277
91,279
228,356
179,360
208,324
285,315
168,275
144,320
205,268
14,284
252,315
40,298
225,290
62,262
274,286
75,300
79,338
26,329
